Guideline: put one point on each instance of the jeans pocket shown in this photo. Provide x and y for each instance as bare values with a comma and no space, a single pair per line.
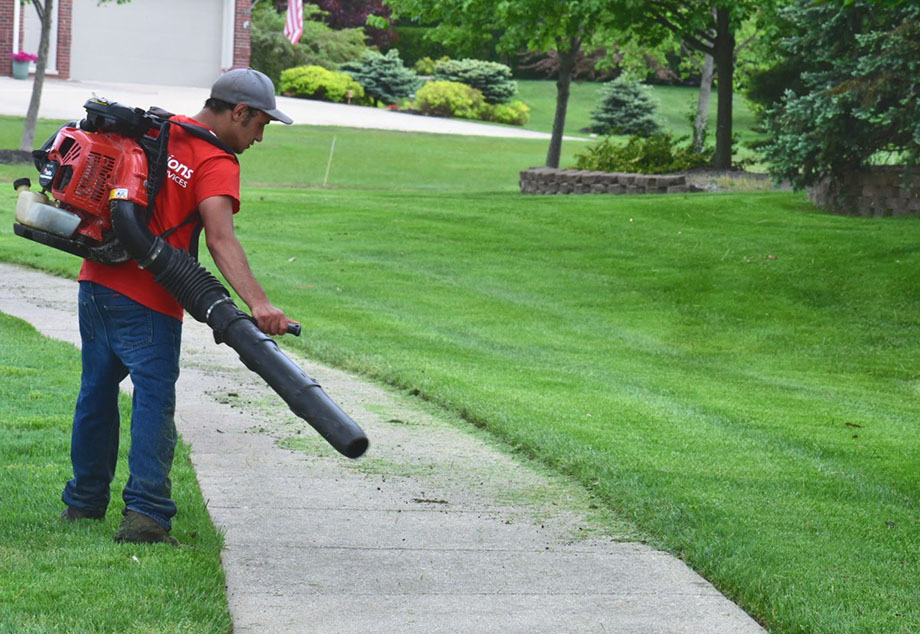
131,326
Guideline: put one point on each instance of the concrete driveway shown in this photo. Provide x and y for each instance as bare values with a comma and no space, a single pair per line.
63,99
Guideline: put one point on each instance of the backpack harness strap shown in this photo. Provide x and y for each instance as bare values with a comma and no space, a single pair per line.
160,156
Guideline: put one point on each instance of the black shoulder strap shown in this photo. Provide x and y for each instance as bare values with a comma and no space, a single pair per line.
204,134
194,217
157,157
158,173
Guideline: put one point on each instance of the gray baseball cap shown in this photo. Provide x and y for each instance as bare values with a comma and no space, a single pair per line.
249,87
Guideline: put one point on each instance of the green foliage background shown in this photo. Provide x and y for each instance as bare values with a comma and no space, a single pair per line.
857,104
272,53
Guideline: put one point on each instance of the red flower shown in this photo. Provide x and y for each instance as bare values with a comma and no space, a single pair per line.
22,56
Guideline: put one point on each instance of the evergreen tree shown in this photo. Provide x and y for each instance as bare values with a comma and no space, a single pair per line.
383,77
626,107
492,79
857,102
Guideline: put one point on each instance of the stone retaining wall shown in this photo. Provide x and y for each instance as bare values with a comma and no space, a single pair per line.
548,180
881,191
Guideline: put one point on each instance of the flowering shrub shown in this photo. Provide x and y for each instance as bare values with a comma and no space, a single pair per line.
22,56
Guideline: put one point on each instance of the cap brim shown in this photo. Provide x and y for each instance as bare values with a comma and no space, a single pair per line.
277,115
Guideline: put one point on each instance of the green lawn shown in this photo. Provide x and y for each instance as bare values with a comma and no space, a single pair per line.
734,374
73,578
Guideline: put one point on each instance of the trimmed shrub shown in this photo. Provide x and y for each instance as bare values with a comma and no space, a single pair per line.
383,77
492,79
449,99
316,82
657,154
319,46
514,113
426,65
626,107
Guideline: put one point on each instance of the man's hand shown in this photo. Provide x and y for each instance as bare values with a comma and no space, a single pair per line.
271,319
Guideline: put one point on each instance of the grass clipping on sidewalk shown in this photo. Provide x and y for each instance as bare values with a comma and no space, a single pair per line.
62,577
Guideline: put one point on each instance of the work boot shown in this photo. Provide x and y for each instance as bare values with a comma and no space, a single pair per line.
138,528
72,515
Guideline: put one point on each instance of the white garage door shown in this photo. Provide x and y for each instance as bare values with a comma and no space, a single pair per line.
169,42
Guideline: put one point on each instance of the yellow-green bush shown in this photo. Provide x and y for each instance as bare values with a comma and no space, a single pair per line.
316,82
426,65
514,113
449,99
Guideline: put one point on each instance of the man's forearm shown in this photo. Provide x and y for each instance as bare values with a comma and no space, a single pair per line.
231,260
217,215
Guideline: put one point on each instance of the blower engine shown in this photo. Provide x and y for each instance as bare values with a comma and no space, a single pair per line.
97,172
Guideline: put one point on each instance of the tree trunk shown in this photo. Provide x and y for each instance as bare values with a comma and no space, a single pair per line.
725,63
563,84
702,106
44,9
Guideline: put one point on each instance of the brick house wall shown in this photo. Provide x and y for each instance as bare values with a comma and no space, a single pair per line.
6,38
241,38
65,15
242,33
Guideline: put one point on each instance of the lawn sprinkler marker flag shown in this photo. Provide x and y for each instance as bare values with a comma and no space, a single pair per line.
293,26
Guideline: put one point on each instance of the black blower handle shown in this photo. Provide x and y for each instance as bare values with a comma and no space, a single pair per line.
293,329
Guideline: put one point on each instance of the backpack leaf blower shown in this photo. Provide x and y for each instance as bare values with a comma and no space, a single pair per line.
104,173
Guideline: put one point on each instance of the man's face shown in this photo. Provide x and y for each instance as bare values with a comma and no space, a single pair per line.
248,126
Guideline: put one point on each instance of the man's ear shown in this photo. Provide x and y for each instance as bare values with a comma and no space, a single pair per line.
240,112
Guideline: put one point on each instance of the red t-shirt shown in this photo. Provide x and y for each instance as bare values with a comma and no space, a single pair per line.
196,170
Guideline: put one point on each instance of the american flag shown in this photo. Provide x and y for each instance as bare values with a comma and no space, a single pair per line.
293,26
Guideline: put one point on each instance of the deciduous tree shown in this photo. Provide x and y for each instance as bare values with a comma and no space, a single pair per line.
708,27
522,25
345,14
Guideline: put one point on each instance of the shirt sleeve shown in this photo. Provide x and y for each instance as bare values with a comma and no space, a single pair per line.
218,176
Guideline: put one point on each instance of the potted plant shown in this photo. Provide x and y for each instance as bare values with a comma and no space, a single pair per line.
21,61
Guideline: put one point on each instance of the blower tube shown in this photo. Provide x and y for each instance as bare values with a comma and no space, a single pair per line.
206,299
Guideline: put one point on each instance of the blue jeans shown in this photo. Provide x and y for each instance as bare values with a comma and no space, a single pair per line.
121,337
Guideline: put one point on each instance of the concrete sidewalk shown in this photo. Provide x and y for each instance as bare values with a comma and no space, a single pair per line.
434,530
63,99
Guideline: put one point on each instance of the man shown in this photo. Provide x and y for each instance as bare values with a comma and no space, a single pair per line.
130,325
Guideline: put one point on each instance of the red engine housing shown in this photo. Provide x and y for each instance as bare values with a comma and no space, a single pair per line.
88,169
